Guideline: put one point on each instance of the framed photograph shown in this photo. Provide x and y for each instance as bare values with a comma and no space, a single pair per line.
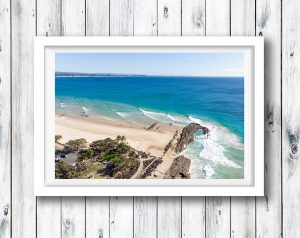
149,116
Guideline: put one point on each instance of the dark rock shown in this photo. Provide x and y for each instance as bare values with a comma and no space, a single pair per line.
179,168
187,135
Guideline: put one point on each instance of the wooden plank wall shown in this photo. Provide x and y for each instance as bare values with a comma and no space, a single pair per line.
274,215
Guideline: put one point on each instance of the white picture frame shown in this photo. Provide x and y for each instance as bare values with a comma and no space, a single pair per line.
45,183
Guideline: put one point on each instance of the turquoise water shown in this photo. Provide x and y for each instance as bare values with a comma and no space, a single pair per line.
215,102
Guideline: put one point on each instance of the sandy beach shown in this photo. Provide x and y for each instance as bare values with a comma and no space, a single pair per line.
151,141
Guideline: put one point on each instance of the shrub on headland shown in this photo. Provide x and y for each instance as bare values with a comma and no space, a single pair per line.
101,158
76,144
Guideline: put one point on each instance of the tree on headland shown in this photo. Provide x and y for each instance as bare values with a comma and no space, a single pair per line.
76,144
120,138
64,170
57,138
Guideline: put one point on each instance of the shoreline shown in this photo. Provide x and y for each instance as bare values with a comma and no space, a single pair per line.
151,139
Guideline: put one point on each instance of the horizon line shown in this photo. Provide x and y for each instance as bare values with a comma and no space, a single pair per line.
131,74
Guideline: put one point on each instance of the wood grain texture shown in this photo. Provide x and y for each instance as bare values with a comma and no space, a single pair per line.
121,208
21,216
48,23
48,20
121,17
145,17
97,208
193,208
217,217
73,209
218,18
121,217
242,208
23,201
97,17
48,222
169,17
5,121
242,17
97,217
169,208
169,217
145,217
290,117
193,17
73,217
218,208
145,208
268,208
193,217
242,217
73,17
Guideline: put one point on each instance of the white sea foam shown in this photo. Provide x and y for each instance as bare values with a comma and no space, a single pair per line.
164,117
157,116
171,117
62,105
213,148
177,119
127,117
85,110
215,143
195,120
208,171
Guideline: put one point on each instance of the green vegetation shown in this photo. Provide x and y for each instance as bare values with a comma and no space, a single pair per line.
77,144
64,170
101,158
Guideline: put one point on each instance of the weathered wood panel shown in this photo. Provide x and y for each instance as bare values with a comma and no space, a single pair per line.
23,201
218,208
73,17
145,17
133,218
97,17
121,208
217,18
73,217
145,217
73,209
48,222
48,19
218,217
169,217
193,208
290,117
48,23
242,17
121,217
145,208
193,17
169,208
121,17
97,208
242,208
193,217
268,208
5,120
169,17
97,217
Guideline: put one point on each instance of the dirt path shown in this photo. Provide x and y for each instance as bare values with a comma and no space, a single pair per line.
140,168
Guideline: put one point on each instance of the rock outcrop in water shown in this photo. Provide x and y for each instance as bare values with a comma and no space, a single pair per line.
179,168
187,135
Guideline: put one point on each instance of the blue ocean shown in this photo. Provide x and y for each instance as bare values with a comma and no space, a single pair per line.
214,102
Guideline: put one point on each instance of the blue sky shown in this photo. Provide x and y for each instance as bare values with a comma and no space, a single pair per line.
191,64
